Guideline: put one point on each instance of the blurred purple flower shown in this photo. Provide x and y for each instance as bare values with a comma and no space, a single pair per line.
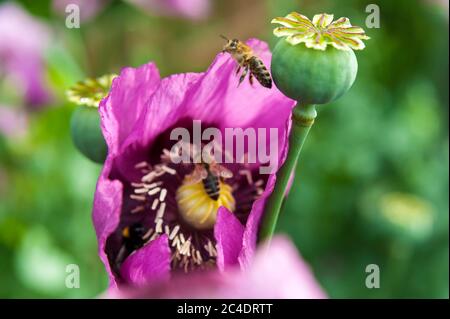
88,8
277,272
190,9
13,122
142,236
23,40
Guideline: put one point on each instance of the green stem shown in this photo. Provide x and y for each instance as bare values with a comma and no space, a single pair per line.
302,119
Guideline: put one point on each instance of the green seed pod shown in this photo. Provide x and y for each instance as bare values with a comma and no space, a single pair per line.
313,76
314,62
85,122
87,135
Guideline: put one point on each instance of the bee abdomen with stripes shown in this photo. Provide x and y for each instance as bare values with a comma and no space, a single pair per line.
259,70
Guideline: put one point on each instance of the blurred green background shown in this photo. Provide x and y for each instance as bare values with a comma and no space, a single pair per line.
371,187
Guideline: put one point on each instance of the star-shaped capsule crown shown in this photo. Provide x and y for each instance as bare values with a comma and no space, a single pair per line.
90,91
320,32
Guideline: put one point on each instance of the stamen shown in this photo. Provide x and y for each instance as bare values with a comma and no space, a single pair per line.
149,177
159,223
154,191
169,170
174,232
176,241
152,185
214,251
155,203
185,264
165,156
147,234
199,257
143,164
138,209
141,190
193,255
138,197
248,175
163,194
185,248
211,249
160,213
159,171
155,234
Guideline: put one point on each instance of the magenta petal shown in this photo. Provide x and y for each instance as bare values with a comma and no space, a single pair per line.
128,97
277,272
166,107
106,215
149,264
228,232
120,110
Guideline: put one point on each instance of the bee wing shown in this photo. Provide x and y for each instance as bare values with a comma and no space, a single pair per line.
198,174
221,171
244,47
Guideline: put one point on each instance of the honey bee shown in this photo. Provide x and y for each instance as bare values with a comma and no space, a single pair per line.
209,175
248,61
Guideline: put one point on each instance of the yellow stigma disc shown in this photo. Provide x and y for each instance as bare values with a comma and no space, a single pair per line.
197,208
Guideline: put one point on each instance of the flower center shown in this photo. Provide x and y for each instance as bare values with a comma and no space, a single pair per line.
181,201
198,202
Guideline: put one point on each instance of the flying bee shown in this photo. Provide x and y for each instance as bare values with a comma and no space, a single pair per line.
248,61
209,174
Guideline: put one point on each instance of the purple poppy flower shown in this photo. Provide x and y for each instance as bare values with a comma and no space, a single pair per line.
151,222
190,9
88,8
23,42
289,277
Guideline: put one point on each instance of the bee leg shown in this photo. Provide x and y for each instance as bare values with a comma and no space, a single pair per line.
238,69
244,74
250,79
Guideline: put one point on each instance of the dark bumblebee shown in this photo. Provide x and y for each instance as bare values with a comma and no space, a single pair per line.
132,239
